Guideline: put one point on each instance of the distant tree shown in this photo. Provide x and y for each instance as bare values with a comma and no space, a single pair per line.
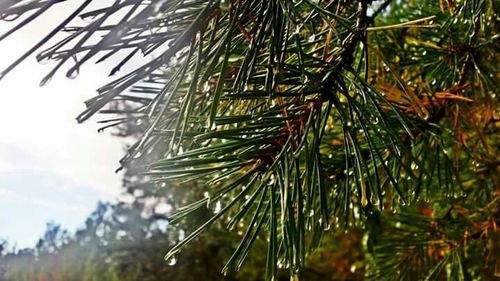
291,122
3,252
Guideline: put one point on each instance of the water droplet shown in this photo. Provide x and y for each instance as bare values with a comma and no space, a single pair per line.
414,166
304,79
73,73
206,88
311,213
225,5
311,38
271,180
44,60
10,17
218,207
374,120
173,62
182,235
297,29
207,196
172,261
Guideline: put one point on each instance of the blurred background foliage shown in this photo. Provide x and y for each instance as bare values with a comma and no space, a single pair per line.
370,147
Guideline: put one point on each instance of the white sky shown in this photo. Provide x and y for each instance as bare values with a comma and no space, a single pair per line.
51,168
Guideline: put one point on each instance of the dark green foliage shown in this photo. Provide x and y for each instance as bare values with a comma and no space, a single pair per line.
293,120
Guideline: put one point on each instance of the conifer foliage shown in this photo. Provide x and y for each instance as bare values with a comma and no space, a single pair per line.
294,119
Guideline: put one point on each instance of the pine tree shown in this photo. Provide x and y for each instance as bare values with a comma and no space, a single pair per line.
295,120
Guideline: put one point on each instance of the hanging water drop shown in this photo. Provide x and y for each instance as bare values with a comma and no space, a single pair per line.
271,180
218,207
311,213
297,29
44,60
225,5
173,62
207,196
374,120
206,88
73,73
304,79
182,235
414,166
172,261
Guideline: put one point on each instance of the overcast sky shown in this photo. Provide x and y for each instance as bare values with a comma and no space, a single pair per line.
51,168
